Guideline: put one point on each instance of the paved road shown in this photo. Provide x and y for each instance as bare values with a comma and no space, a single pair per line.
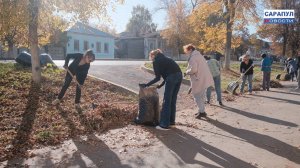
125,73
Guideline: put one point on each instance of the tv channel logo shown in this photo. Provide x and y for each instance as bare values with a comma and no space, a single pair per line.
279,16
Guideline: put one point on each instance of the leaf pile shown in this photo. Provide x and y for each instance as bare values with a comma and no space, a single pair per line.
28,119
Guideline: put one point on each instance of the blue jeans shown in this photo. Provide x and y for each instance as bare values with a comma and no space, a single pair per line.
217,81
249,78
168,113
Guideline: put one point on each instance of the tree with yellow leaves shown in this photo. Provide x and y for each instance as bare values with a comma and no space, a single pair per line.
13,24
34,14
209,28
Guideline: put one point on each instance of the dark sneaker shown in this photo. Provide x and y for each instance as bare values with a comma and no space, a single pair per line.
220,103
172,125
201,115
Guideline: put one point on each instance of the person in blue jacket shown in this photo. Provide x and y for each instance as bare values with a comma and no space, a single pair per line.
266,64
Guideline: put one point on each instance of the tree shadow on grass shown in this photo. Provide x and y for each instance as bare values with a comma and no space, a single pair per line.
259,117
21,142
262,141
187,147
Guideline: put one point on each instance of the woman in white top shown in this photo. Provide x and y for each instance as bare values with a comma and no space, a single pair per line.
200,75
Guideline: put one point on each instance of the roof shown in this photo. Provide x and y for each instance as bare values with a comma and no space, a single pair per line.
85,29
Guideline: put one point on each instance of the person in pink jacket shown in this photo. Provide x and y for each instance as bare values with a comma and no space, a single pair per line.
200,77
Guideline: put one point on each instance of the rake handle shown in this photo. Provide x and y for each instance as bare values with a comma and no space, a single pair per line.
70,73
245,72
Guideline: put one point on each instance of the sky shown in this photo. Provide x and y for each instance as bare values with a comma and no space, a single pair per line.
120,17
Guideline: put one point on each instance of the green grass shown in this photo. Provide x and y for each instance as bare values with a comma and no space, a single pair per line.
234,74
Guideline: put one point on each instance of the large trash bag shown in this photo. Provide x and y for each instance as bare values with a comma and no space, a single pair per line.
24,59
45,59
287,77
148,106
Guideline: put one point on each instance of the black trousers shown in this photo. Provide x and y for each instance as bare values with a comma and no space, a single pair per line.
80,78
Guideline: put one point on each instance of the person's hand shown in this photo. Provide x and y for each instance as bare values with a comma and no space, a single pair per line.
65,66
184,74
143,85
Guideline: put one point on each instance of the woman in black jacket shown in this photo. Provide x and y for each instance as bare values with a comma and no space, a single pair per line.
79,68
169,70
246,70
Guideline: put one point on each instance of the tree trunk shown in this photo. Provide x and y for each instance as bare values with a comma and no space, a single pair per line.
10,52
228,46
33,40
229,22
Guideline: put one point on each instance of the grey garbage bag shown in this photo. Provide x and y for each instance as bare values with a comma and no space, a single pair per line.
148,106
45,59
24,59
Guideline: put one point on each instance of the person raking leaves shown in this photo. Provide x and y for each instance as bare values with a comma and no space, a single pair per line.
79,68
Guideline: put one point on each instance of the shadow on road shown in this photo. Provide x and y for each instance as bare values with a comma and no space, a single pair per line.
293,93
259,117
93,148
187,147
262,141
280,99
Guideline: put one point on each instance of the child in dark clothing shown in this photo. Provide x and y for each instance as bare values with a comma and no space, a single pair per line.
79,68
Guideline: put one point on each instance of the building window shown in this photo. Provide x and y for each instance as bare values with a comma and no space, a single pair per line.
76,45
92,45
86,45
151,46
106,47
159,45
98,47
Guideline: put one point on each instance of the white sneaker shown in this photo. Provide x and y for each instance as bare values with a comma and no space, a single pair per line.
161,128
56,102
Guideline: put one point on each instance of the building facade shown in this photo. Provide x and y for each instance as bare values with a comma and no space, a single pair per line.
130,47
82,37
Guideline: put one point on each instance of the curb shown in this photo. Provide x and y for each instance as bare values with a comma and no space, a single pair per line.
184,81
123,89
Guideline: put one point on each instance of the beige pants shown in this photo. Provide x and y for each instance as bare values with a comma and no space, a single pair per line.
200,100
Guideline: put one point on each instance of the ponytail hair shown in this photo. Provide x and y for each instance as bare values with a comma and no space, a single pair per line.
90,53
189,47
